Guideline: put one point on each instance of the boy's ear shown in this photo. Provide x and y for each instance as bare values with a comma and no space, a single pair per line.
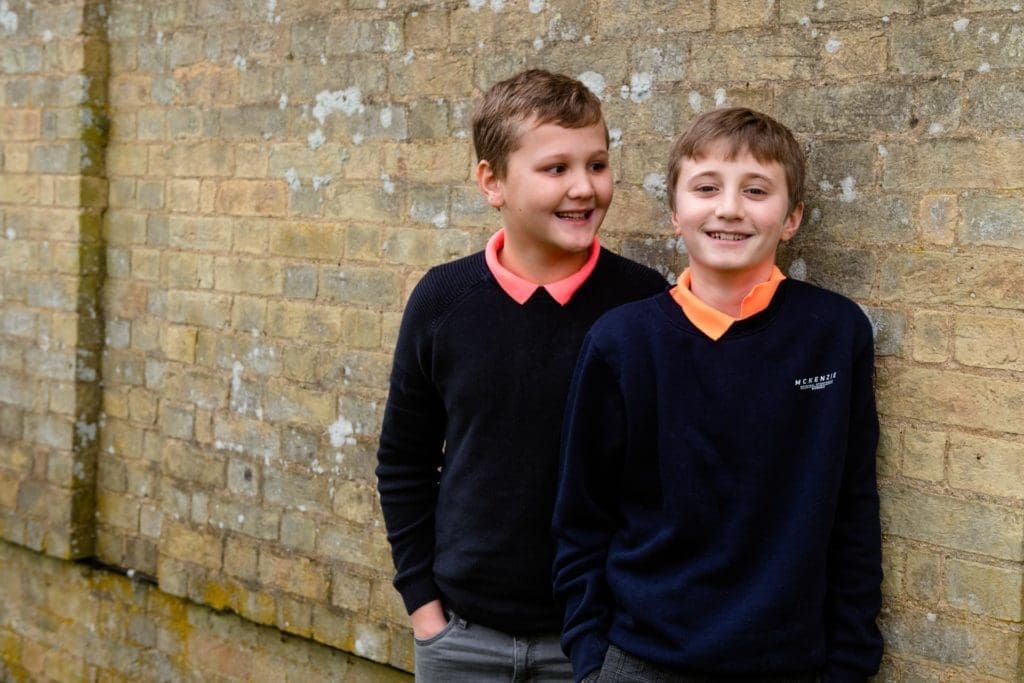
490,184
792,222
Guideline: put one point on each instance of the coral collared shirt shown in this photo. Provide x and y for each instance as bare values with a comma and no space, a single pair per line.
713,322
521,290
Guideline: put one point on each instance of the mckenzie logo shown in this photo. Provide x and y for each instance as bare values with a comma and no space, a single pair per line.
816,382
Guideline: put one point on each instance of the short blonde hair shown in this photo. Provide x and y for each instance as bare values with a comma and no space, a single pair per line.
743,130
533,94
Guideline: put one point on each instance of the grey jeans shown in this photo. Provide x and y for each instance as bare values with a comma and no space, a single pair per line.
622,667
470,653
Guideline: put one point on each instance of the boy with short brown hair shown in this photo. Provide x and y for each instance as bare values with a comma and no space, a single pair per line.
469,447
717,514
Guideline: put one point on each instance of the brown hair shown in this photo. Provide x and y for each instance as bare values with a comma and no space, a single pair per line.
743,130
537,94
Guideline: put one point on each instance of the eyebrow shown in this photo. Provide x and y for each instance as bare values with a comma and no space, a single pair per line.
564,156
715,174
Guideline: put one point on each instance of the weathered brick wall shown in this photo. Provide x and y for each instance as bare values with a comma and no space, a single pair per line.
278,174
52,193
67,622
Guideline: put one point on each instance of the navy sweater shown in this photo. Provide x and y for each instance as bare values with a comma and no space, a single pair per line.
717,510
468,453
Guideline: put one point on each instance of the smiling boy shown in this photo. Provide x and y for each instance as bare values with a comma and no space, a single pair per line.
469,446
717,513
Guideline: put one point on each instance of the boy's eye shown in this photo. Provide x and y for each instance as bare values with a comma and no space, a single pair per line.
704,188
598,166
556,169
759,191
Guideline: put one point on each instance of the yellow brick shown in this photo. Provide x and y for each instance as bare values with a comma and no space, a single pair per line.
200,232
435,74
297,575
363,201
179,343
183,194
252,197
951,397
240,558
938,218
307,240
187,270
984,590
733,14
202,159
251,236
355,501
285,401
931,337
924,454
362,243
9,489
181,543
252,161
446,161
118,511
19,189
20,124
350,592
248,276
301,363
130,90
207,84
986,465
198,308
295,616
361,329
142,406
249,314
189,464
956,164
225,660
967,525
851,54
303,321
989,342
146,264
126,160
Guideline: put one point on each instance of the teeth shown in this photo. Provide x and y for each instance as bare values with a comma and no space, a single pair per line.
573,214
727,236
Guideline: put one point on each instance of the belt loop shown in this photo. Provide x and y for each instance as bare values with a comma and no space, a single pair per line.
459,621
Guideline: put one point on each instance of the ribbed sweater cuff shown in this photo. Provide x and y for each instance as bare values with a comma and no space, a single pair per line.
418,592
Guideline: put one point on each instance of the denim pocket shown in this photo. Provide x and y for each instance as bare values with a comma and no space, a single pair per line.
452,619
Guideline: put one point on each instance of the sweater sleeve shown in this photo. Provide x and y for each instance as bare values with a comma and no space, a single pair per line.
853,597
593,438
411,453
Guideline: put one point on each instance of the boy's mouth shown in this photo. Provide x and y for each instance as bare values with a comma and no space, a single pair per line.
728,236
574,215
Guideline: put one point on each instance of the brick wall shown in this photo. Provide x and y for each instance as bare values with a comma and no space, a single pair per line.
71,622
212,212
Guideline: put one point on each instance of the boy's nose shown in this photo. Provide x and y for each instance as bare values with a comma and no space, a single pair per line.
729,207
581,186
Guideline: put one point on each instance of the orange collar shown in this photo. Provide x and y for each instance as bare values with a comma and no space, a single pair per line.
713,322
521,289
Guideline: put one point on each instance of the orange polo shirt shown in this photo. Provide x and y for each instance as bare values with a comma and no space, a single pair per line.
713,322
521,290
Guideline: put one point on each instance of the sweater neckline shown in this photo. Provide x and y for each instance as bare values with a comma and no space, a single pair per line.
739,328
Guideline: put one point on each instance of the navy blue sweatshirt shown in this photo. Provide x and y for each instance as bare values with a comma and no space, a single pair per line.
717,510
468,454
